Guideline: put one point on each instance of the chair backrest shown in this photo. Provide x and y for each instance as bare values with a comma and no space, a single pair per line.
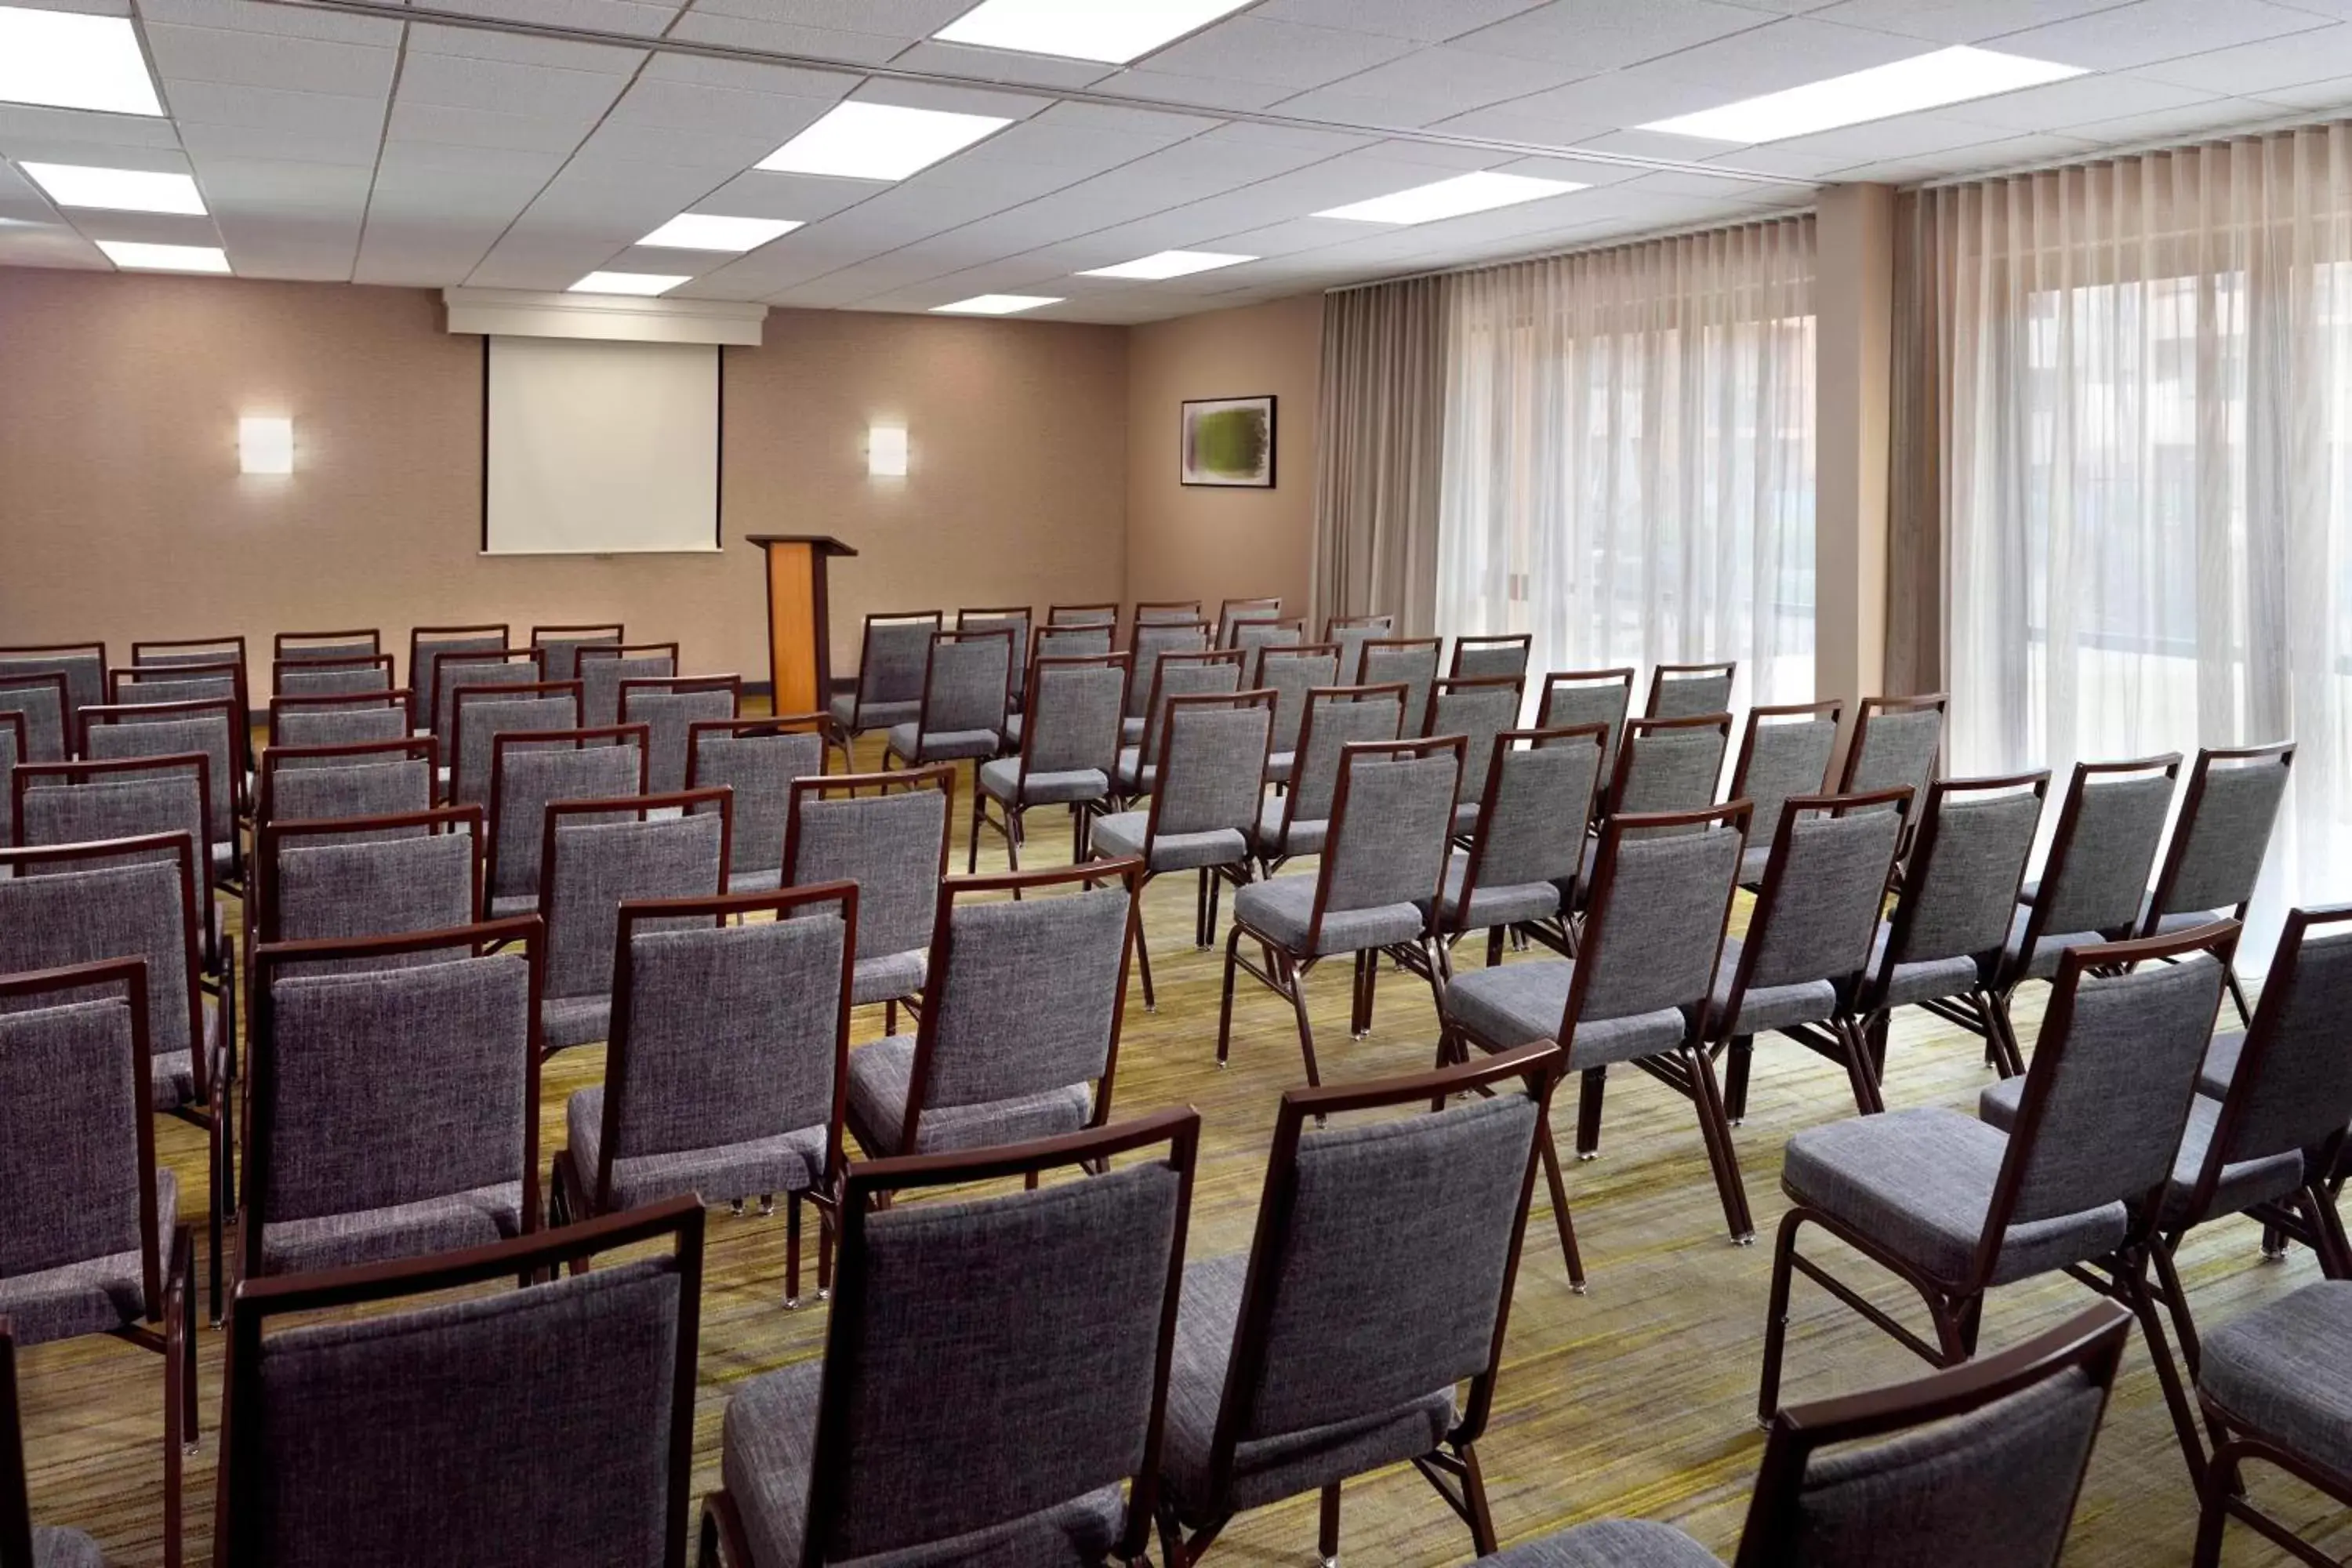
1190,673
364,642
427,645
1786,751
1290,673
205,725
758,759
1489,659
407,1418
562,645
669,709
1817,912
1071,715
479,715
1537,798
1337,716
1960,893
40,703
1082,615
1575,698
1385,1252
1413,660
369,778
530,773
1653,923
83,665
602,668
1165,612
1014,620
1681,690
1477,709
1023,996
330,677
903,1358
155,653
503,667
1253,637
354,1059
1090,640
1234,614
84,803
1981,1463
723,1033
2223,832
2104,847
892,843
1213,751
1146,643
964,681
1348,633
1895,741
147,686
597,854
374,876
1392,821
1669,765
896,652
340,720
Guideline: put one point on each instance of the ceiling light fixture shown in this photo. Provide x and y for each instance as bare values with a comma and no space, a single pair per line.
706,231
63,60
996,304
1083,29
879,141
1452,198
1905,86
1168,264
629,283
117,190
140,256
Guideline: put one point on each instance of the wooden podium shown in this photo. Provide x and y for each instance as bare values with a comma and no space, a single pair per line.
799,641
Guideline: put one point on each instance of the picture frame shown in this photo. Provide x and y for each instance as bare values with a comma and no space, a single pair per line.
1227,443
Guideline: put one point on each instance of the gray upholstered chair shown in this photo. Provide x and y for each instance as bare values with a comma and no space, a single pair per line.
1235,614
479,715
533,772
1212,748
2219,842
1298,821
1067,754
1291,673
962,715
94,1243
1786,750
83,666
366,778
1022,1004
366,876
1954,1207
1477,709
1897,741
1528,848
669,707
1809,938
1668,764
1380,1281
896,650
1683,690
1574,698
1981,1464
427,645
1411,660
490,668
562,645
597,855
602,668
1491,658
1251,637
1348,633
729,1041
1145,645
141,685
83,803
1190,673
393,1108
39,704
331,676
907,1441
1374,892
1165,612
1016,620
1083,639
758,759
1082,615
893,845
336,719
363,642
205,725
411,1418
2273,1390
158,653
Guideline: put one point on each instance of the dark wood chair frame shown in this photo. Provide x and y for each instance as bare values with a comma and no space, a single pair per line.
845,737
1012,826
936,776
40,650
522,691
1660,675
1436,646
1801,713
541,636
284,640
1177,611
12,723
637,735
2177,851
1227,607
349,754
1016,679
1318,697
130,676
240,744
279,667
399,697
1622,677
1255,654
261,903
1453,1475
1093,616
1871,708
1524,641
1213,878
230,648
1334,624
419,636
1044,634
533,1256
1640,727
1444,684
682,684
923,715
445,682
69,732
621,650
1156,700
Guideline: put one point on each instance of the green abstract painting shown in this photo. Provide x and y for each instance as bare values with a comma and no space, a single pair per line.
1228,441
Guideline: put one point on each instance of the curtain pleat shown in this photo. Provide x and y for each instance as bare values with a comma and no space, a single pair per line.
1381,429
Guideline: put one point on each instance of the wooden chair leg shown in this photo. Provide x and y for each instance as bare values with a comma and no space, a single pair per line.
2131,1273
1591,1089
1143,969
1562,1218
792,1251
1776,1315
1715,1126
1294,979
1735,1076
1327,1533
1225,1005
1474,1494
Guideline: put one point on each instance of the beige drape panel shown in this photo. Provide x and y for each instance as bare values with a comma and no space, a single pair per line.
1914,472
1381,438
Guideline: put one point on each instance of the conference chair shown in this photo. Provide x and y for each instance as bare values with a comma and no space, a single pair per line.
1146,644
167,687
1213,748
1633,994
354,1155
1980,1463
2219,842
1348,633
1047,640
1477,709
1164,612
156,653
1082,615
893,656
1373,893
1380,1280
503,667
1491,658
1681,690
1067,754
110,732
597,854
603,666
2273,1391
364,642
1253,637
1575,698
23,1543
83,666
1411,660
961,717
39,704
1018,1037
1954,1207
82,803
1235,614
533,771
1668,764
1897,741
1291,673
1193,673
427,645
900,1443
1785,751
669,708
339,878
554,1423
1014,621
1337,717
479,715
330,677
1526,848
561,646
758,759
725,1072
332,720
366,778
893,845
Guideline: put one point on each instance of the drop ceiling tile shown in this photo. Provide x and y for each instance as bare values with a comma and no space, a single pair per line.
1036,145
1297,235
305,249
2078,102
1327,143
289,21
749,76
644,18
907,19
1957,21
1788,53
1000,65
1423,21
505,87
149,228
703,25
1593,38
758,193
1431,84
1201,91
688,106
1905,136
1284,54
722,153
293,114
2330,94
1090,119
355,144
522,49
269,59
2152,30
1633,96
414,122
283,187
2187,122
1582,171
2249,71
31,245
26,123
1655,144
1223,164
32,148
1004,105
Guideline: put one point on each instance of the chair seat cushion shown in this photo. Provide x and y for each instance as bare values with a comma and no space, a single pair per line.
566,1021
95,1294
888,976
403,1230
766,880
1134,778
1919,1183
1752,862
1278,765
1923,980
878,715
1122,833
1130,731
1305,837
770,1447
1765,1007
506,904
2243,1184
1513,1004
2220,1063
1610,1543
54,1548
2281,1371
1265,1470
1494,903
1012,727
2049,951
1001,778
786,1162
171,1075
1284,907
941,745
881,1074
1465,817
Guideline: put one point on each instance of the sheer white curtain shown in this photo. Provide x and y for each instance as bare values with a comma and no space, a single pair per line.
2147,462
1628,468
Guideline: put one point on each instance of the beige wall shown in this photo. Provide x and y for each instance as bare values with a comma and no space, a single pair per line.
1211,544
123,513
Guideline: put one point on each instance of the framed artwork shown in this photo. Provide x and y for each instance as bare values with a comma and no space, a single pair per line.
1229,442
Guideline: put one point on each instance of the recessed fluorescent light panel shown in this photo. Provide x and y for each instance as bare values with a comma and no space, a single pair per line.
66,60
117,190
879,141
701,231
997,304
1112,31
1923,81
1168,264
144,258
628,283
1452,198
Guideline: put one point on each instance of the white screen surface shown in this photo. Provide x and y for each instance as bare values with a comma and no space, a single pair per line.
600,447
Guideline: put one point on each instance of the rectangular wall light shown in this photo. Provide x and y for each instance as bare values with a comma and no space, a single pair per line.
117,190
1452,198
63,60
879,141
1102,30
885,451
140,256
1905,86
1168,264
265,445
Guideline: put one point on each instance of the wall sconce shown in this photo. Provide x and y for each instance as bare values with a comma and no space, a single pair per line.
265,445
885,451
